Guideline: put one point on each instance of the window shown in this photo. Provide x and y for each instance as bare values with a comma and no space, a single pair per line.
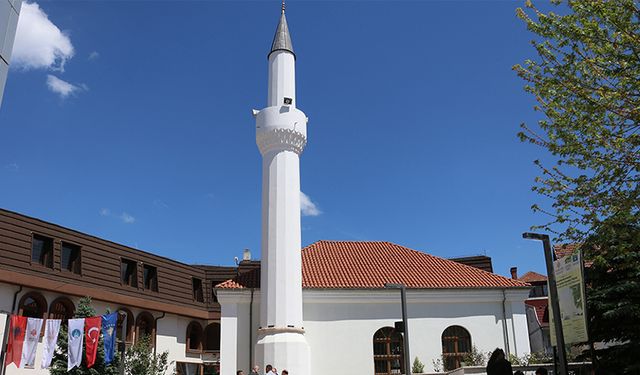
198,295
145,327
61,308
185,368
212,338
194,337
129,330
70,258
456,342
388,352
129,272
32,305
42,250
150,276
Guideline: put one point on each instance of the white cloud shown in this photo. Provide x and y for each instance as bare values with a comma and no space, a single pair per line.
307,207
63,88
128,219
12,166
39,44
93,55
105,212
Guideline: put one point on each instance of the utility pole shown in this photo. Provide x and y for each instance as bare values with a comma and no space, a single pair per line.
403,297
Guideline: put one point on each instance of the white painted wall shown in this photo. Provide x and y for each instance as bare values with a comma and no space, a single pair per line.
170,331
340,324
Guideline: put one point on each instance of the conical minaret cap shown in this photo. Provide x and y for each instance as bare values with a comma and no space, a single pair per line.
282,39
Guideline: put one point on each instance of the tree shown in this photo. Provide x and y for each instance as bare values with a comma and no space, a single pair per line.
417,367
140,359
587,84
613,294
59,363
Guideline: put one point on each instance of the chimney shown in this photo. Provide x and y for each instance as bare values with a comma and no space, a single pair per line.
514,273
246,254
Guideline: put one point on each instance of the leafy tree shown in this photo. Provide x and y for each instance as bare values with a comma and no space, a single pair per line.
613,295
59,363
587,84
417,367
140,359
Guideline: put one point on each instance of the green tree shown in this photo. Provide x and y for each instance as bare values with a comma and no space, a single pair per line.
417,367
587,85
140,359
613,294
59,363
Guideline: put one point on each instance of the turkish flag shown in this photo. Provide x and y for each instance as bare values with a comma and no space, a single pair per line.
17,328
92,335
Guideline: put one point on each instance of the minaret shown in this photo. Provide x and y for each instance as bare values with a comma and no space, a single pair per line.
281,134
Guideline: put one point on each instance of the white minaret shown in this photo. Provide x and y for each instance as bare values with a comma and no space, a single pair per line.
281,134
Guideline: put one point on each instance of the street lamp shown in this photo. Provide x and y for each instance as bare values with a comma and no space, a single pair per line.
403,296
553,290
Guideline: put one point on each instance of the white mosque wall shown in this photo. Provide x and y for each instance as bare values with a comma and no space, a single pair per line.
340,324
170,331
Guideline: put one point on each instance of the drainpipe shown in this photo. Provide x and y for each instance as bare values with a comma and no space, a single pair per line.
251,330
3,351
155,325
505,333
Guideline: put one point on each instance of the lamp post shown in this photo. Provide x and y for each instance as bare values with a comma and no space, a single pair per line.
553,290
403,296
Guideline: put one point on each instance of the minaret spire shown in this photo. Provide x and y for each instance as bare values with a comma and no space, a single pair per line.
282,39
283,6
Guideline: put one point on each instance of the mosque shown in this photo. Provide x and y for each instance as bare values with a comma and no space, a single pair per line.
333,307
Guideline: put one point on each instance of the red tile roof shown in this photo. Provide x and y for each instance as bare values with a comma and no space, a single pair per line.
532,277
562,250
542,312
365,265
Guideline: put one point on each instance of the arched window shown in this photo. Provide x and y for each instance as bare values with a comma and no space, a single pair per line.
194,337
456,342
130,320
212,337
62,308
145,327
33,305
388,352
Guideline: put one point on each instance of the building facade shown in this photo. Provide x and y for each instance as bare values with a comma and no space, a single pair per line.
9,11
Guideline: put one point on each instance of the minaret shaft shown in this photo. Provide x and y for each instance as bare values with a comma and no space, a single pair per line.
281,134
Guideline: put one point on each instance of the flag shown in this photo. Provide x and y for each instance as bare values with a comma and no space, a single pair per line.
109,327
76,329
50,340
32,336
16,339
92,333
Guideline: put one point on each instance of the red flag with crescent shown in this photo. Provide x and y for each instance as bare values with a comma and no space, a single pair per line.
17,329
92,335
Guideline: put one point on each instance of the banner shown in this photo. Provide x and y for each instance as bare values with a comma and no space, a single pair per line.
109,326
16,339
571,298
50,340
92,332
76,329
32,336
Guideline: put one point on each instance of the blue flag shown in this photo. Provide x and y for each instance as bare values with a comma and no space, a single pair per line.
109,326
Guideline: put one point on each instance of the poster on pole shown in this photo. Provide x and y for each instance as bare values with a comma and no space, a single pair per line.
571,298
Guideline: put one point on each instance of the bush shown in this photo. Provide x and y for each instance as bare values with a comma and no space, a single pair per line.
418,367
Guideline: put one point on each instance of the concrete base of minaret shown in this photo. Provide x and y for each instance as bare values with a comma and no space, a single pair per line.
285,349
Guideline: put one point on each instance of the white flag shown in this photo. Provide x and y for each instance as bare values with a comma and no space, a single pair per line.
76,338
30,344
51,331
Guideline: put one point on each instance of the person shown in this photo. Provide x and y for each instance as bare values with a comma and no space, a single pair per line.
267,370
239,372
285,372
275,371
255,370
541,371
498,364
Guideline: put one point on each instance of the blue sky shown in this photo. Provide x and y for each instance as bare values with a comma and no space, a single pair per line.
144,135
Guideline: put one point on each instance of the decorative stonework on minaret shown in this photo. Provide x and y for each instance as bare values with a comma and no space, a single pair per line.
281,134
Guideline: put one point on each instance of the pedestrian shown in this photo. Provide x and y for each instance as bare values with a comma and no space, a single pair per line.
498,364
239,372
542,371
275,371
285,372
255,371
267,370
